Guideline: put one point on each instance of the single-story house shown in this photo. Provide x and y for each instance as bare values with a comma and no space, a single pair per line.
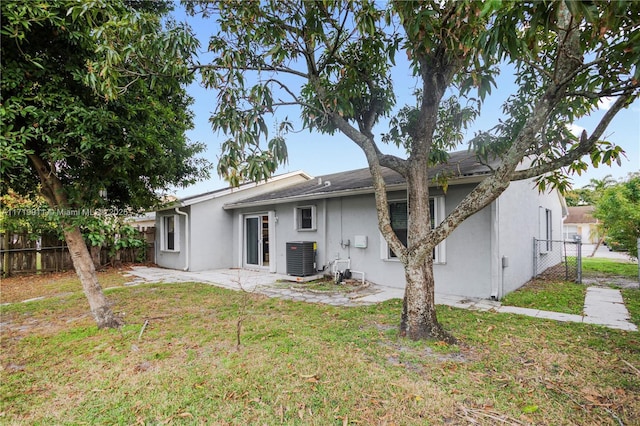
334,216
580,223
196,233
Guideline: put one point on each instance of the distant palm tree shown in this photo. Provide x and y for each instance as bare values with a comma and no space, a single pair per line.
594,189
599,185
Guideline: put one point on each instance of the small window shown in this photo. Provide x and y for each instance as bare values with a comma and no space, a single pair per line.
169,233
548,229
399,216
305,218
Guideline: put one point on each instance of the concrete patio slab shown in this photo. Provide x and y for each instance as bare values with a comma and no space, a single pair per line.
603,306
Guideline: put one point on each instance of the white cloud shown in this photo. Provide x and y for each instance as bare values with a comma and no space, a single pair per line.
606,102
575,129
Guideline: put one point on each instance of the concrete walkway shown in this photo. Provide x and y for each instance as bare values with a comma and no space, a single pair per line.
603,306
606,306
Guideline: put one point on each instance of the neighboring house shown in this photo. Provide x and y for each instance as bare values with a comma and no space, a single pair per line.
196,233
142,222
581,223
489,255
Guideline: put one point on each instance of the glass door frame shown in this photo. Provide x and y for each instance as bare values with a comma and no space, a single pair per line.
257,231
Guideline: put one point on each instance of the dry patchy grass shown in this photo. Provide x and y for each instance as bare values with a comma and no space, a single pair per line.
24,287
304,364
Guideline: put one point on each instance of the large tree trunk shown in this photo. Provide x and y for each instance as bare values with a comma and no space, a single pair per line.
56,196
95,256
83,264
419,319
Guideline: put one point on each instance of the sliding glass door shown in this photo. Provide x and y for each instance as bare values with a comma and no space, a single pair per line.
256,240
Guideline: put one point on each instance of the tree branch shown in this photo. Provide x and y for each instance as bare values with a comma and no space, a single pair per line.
615,90
52,188
266,67
585,147
369,146
286,89
339,31
491,187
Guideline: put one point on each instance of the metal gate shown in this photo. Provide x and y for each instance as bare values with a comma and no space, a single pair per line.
557,260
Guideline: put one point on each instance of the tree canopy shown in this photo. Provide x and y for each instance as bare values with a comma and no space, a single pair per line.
618,209
128,146
332,60
94,112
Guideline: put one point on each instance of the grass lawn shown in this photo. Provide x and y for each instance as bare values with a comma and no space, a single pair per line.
303,364
555,296
568,297
324,285
631,299
25,287
597,266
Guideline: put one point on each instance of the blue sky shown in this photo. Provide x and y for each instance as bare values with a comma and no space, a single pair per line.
319,154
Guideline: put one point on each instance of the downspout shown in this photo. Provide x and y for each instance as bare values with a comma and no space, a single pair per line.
325,261
497,267
186,239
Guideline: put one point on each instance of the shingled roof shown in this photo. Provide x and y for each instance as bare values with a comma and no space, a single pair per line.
581,214
461,165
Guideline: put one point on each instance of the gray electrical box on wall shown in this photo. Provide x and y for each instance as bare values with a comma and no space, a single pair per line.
360,241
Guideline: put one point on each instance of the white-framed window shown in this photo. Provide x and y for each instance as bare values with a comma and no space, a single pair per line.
170,234
546,230
305,218
399,216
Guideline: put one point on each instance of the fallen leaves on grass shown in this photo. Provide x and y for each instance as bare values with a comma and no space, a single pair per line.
29,286
476,416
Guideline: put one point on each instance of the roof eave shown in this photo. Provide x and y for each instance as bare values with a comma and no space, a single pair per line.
337,194
226,191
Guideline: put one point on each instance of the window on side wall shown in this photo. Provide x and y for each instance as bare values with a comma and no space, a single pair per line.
399,216
305,218
548,230
170,236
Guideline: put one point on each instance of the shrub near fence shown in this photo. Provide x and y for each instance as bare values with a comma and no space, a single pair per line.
22,254
130,255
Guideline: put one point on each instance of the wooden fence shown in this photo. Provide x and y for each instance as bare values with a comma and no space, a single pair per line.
22,254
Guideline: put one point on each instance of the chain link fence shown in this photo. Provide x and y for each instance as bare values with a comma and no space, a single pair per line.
557,260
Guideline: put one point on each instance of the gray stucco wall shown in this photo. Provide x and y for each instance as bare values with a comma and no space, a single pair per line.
465,272
172,259
473,264
521,218
468,270
212,239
